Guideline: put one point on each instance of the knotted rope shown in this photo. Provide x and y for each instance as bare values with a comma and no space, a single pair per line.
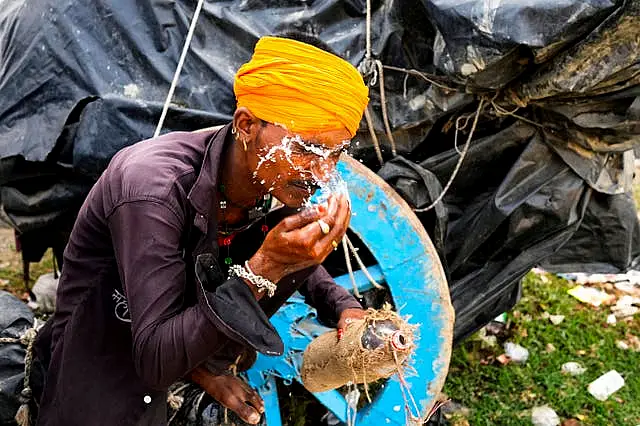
23,416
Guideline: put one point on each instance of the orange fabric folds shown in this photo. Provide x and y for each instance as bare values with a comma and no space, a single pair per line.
301,87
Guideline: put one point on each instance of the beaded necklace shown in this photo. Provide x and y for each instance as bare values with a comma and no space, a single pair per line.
256,213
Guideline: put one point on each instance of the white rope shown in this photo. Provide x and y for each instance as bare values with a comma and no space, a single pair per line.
374,137
383,104
457,168
363,268
347,260
375,68
176,76
367,54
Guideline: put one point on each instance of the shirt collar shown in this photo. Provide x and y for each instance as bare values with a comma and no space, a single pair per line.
203,193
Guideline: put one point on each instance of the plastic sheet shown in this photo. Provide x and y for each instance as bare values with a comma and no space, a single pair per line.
548,169
15,319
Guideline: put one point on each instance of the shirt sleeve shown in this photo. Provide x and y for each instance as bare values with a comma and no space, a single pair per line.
170,339
329,299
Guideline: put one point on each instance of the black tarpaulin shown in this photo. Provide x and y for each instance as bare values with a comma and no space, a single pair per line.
546,178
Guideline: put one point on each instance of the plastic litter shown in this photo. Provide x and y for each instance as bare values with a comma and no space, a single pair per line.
625,306
590,295
487,340
516,352
631,277
627,287
573,368
556,319
544,416
44,291
622,345
605,385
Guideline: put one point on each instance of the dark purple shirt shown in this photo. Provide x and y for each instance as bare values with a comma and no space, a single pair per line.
143,297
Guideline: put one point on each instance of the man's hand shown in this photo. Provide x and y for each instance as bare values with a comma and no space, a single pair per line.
347,317
299,241
232,392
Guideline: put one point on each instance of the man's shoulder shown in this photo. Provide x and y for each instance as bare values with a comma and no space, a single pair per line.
155,168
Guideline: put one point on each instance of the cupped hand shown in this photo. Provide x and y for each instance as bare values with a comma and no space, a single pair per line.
299,241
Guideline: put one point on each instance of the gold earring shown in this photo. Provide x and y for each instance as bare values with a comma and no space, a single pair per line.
244,142
233,131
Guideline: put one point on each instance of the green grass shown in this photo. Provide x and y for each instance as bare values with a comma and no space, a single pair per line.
11,266
504,394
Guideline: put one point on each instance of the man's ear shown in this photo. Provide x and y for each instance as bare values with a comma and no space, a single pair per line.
246,124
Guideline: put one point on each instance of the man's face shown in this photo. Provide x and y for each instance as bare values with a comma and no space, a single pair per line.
292,165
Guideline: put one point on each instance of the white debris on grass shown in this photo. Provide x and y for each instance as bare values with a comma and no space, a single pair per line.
605,385
611,319
625,306
622,345
590,295
544,416
45,290
487,341
555,319
516,352
573,368
632,277
627,287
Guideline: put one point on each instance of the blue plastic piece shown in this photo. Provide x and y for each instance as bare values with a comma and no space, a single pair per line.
408,265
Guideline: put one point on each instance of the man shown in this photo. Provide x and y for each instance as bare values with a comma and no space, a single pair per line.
171,270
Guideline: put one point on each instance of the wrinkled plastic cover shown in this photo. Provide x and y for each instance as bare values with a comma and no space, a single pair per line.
109,64
80,80
15,319
474,37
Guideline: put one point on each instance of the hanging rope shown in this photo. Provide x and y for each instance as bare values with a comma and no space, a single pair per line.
363,268
383,104
375,69
460,160
347,260
176,75
374,137
422,75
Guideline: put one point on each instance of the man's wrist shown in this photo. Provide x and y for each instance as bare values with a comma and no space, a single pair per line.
261,266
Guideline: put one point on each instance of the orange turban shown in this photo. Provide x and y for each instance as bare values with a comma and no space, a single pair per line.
301,87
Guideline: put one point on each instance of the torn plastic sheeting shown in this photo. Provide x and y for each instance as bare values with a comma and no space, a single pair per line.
607,241
606,61
476,36
112,116
526,206
61,53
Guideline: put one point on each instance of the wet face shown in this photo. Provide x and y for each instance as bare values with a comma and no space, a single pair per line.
292,165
